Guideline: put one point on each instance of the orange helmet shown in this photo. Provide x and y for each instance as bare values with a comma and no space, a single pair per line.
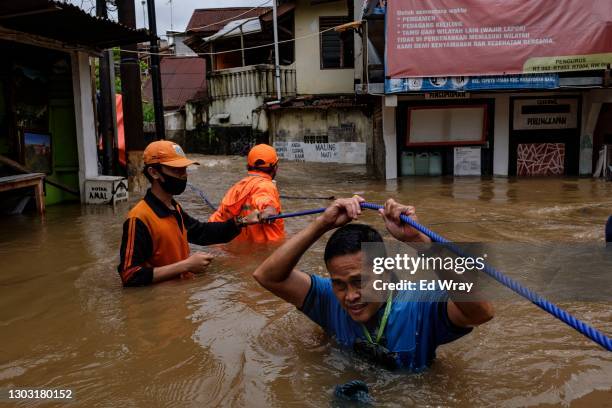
262,155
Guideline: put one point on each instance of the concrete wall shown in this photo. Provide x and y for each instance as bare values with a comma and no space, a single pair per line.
311,79
334,135
240,109
390,139
174,120
175,126
179,47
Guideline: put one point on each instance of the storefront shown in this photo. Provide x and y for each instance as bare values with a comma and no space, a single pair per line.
445,137
488,89
524,133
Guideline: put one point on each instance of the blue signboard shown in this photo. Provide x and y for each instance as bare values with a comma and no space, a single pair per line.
465,83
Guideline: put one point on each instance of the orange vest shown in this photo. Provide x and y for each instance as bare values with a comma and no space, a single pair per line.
169,241
254,192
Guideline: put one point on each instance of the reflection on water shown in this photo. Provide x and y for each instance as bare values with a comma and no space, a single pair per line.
222,340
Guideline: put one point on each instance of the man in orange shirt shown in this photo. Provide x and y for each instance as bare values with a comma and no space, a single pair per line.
157,232
256,192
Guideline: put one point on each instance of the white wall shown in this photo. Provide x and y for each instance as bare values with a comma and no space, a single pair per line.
348,132
174,120
240,109
85,119
311,79
501,135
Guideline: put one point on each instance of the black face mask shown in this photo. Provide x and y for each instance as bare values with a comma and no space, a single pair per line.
173,185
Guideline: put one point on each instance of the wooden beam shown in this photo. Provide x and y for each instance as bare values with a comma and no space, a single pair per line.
23,181
39,41
22,169
29,13
286,31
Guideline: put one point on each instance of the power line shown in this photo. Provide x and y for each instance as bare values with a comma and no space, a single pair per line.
230,18
238,49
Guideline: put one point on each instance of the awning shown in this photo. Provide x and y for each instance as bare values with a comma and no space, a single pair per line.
66,23
237,28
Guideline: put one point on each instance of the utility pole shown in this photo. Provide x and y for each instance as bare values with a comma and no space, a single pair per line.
132,100
276,58
144,14
107,127
158,104
171,16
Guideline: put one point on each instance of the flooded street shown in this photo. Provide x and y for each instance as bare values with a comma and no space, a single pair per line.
221,339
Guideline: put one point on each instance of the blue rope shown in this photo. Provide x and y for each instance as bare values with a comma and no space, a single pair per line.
202,196
214,207
585,329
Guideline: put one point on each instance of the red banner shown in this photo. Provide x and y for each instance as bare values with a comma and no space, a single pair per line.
438,38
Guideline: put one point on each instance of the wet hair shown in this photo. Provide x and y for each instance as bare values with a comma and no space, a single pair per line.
145,171
347,240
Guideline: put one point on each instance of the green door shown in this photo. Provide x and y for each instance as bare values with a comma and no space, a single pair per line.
62,126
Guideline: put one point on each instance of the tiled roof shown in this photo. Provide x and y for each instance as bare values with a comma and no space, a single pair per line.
213,19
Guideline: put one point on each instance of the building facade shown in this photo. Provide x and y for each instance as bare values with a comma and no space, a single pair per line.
552,123
47,114
318,117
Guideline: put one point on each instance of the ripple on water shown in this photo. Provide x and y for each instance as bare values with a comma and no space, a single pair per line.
221,340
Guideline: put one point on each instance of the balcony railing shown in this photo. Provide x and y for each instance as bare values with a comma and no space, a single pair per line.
253,80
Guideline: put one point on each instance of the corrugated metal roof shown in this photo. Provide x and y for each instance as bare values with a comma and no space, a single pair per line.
66,23
227,17
236,28
214,19
183,80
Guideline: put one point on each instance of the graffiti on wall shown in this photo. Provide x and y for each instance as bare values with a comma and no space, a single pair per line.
341,152
540,159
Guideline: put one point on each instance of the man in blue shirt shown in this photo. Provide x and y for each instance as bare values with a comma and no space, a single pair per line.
398,332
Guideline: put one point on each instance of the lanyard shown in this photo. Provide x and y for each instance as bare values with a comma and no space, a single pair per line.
383,323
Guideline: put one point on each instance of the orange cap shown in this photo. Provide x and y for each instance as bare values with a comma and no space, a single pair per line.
262,155
167,153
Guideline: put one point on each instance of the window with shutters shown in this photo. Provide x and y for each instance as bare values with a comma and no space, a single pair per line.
336,48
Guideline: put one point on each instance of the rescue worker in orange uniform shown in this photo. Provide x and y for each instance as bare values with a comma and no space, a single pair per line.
157,232
256,192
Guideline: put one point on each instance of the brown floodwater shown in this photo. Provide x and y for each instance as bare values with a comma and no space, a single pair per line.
221,340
